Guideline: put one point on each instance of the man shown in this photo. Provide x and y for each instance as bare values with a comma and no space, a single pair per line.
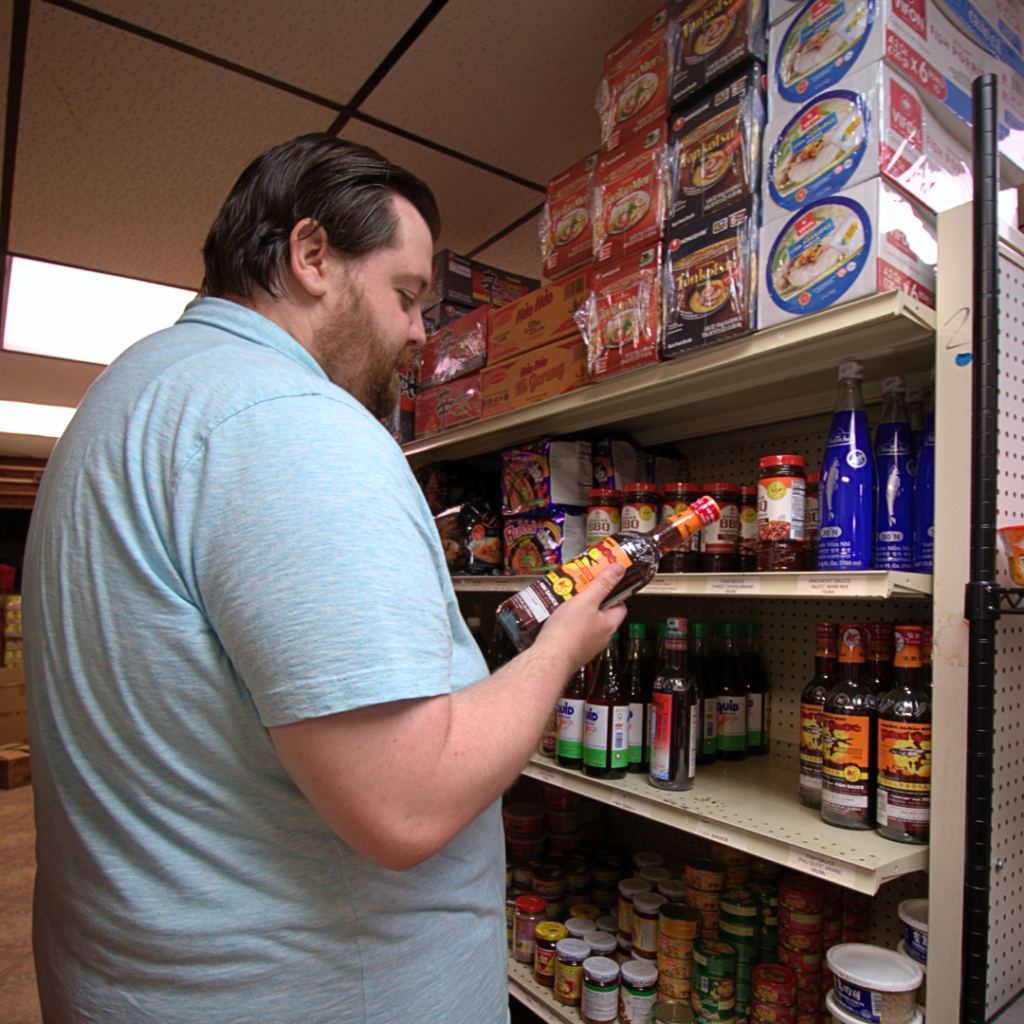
266,755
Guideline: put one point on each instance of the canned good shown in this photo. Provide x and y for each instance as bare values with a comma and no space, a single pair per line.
802,942
549,882
673,889
800,893
562,819
739,905
606,874
737,875
764,869
674,988
587,910
801,961
606,899
675,949
717,959
577,899
808,1002
555,796
740,935
525,847
723,854
523,819
808,982
564,842
672,1011
703,901
775,985
705,876
678,921
714,1010
677,969
709,924
769,1013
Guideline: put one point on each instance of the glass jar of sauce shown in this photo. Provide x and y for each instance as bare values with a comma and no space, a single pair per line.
676,498
781,490
600,1004
811,523
640,508
530,911
719,551
746,546
604,514
569,957
547,934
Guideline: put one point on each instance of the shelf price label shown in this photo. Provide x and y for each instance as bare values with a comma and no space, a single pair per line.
630,803
827,585
548,775
719,833
823,866
734,585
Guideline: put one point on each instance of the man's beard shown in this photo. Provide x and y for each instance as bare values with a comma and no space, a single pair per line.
352,345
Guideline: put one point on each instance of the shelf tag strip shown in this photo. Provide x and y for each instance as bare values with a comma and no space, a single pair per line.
718,833
823,866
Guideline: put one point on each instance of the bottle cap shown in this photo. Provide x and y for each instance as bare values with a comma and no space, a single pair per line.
729,629
748,492
637,631
603,492
532,904
851,370
699,628
677,627
915,395
893,385
681,486
711,488
782,460
814,478
639,489
663,629
750,628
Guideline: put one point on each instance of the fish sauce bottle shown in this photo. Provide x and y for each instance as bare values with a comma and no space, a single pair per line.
894,460
915,417
605,748
847,481
812,707
638,679
674,736
848,740
878,639
758,691
571,719
699,662
905,746
924,498
926,658
733,693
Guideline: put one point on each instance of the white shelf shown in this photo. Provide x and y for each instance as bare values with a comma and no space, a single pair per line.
718,388
877,585
752,807
538,998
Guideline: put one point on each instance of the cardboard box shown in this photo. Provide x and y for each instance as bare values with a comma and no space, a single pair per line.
539,318
401,422
533,376
13,709
455,350
566,232
441,314
466,282
448,406
15,766
499,287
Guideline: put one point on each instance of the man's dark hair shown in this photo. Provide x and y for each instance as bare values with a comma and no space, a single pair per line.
345,187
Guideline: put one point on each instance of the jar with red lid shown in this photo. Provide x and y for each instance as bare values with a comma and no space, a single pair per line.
719,550
604,514
781,491
640,508
676,498
746,546
530,911
811,523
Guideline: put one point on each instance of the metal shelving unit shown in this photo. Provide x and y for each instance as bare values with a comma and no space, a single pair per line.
525,988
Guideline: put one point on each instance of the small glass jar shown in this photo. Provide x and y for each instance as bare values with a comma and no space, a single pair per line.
604,514
640,508
638,991
746,546
547,934
608,923
602,943
580,927
811,523
647,859
645,924
600,1004
719,552
530,911
676,498
628,889
569,957
781,492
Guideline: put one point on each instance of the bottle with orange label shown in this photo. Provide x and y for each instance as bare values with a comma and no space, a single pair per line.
905,745
878,657
926,658
812,706
848,740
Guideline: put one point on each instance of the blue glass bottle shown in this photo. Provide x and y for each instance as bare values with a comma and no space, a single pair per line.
924,497
894,459
915,414
847,495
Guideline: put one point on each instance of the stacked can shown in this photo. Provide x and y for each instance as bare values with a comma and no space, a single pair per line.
767,894
714,981
647,859
678,930
524,830
563,820
832,911
549,882
737,864
764,870
605,872
801,928
739,924
856,911
577,884
705,880
629,889
775,995
592,830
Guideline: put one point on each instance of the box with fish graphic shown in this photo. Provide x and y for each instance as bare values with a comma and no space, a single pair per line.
870,238
633,95
715,148
554,471
621,320
872,123
629,197
448,406
710,279
715,36
534,544
455,350
566,231
534,376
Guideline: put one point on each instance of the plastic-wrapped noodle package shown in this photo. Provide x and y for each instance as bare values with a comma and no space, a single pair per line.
566,232
533,544
553,471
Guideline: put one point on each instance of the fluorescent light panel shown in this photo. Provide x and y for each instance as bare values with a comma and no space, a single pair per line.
79,314
39,420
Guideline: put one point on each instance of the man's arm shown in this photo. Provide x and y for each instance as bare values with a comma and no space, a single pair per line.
398,781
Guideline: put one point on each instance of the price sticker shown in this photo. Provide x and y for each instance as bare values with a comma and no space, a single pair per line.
832,586
734,585
548,775
628,802
823,866
718,833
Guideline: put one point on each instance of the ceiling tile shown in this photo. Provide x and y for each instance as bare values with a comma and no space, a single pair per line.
6,18
518,251
127,148
474,204
512,84
324,46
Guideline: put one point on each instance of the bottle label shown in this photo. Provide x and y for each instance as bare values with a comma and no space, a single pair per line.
571,714
811,520
780,508
709,738
907,641
720,538
732,723
694,738
904,775
846,765
810,748
893,509
757,714
847,495
641,517
568,980
600,1002
661,737
851,646
924,502
544,961
604,736
645,934
677,508
602,521
635,733
635,1005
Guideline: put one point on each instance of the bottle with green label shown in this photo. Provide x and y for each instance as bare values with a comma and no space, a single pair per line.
758,691
638,681
605,739
732,698
571,712
699,662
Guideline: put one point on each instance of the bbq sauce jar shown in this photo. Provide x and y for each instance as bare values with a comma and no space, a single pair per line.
781,492
719,551
746,545
676,498
811,523
604,514
640,508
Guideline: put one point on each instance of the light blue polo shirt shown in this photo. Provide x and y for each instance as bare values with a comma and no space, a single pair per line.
226,541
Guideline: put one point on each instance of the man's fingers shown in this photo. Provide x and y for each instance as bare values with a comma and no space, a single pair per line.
610,576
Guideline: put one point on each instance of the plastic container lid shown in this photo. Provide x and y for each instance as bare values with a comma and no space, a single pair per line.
551,931
712,488
601,969
748,492
629,887
681,485
603,492
914,913
902,950
851,370
673,889
640,489
655,874
573,949
893,384
647,859
639,972
814,478
602,943
782,460
532,904
840,1016
578,927
609,923
873,967
648,902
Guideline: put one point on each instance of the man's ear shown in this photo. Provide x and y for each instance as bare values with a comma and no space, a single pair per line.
308,253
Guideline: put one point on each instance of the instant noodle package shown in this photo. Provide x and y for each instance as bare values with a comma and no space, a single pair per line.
540,373
538,476
869,238
709,289
455,350
618,461
872,123
566,231
441,314
533,544
448,406
401,422
458,279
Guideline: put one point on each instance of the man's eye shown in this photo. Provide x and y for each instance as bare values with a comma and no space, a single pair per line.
408,301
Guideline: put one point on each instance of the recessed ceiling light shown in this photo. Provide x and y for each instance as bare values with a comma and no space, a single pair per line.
39,420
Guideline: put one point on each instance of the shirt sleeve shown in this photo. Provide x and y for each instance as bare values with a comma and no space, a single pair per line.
315,560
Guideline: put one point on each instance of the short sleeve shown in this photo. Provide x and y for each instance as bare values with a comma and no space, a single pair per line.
314,559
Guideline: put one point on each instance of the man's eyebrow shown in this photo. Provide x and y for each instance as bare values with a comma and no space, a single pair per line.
421,283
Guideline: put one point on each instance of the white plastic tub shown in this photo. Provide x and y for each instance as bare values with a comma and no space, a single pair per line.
914,915
874,984
840,1016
